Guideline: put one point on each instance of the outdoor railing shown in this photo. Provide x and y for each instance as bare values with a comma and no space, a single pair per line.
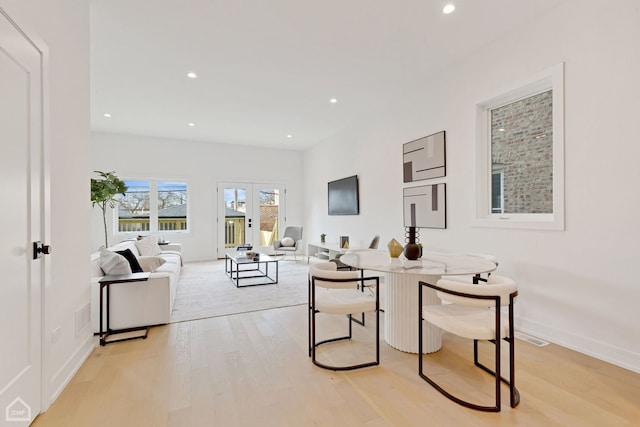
142,224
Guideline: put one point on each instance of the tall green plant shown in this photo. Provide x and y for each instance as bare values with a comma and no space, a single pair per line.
103,193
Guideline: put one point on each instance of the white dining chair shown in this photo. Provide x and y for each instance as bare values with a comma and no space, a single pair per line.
337,292
473,312
341,266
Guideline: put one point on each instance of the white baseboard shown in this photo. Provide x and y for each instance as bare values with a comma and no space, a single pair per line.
599,350
61,379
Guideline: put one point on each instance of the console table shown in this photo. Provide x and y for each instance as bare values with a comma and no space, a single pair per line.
324,251
106,282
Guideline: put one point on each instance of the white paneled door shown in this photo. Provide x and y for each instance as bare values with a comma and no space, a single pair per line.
21,218
249,213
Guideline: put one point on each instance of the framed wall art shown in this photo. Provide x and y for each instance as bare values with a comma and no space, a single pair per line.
425,206
424,158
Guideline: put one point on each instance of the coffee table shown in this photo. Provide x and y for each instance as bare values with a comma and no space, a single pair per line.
240,267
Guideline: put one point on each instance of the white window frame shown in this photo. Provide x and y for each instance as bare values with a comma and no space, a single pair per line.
153,208
552,78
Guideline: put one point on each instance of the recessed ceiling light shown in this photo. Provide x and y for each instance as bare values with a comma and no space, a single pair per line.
448,9
107,115
192,124
289,136
192,75
333,100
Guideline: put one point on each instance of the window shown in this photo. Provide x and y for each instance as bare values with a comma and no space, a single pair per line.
497,201
172,206
151,206
520,172
133,207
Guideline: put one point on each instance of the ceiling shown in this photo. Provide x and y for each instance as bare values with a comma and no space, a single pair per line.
267,69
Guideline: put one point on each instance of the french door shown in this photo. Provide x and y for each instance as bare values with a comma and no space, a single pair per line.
249,214
21,214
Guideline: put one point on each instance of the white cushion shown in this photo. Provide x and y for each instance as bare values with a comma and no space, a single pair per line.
287,241
150,263
469,322
339,297
343,301
328,270
113,263
496,285
171,258
148,246
168,267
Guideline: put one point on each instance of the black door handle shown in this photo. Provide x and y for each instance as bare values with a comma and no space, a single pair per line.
40,249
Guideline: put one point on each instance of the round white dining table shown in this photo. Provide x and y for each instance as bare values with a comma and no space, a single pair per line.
401,290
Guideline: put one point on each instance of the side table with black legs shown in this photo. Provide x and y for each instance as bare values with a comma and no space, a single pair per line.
106,282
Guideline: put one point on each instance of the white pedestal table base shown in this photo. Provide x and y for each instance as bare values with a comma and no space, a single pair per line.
401,313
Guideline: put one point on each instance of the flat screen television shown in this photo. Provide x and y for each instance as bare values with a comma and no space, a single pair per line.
343,196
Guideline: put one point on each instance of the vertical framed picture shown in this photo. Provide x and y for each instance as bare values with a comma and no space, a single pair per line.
425,206
424,158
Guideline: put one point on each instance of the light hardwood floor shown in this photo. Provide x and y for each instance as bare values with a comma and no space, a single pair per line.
252,369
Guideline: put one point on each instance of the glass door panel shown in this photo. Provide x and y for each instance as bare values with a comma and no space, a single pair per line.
249,213
269,216
235,216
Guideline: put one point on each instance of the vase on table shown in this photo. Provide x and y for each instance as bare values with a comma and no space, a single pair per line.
412,250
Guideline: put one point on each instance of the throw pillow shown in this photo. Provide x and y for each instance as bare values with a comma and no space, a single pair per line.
148,246
113,263
133,261
287,241
150,264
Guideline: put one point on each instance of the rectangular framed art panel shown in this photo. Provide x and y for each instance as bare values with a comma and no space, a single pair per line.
425,206
424,158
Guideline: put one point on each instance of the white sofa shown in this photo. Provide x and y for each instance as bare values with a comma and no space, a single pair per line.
136,304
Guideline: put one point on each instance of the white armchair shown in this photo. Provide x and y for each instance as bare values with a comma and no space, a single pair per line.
290,242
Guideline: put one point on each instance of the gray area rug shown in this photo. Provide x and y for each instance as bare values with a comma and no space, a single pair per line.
204,290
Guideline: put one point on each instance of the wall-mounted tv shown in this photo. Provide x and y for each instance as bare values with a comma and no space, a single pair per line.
343,196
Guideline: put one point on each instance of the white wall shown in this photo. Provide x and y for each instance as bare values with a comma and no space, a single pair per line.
579,287
62,28
201,165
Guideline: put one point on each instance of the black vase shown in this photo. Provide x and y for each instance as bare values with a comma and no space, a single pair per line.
411,249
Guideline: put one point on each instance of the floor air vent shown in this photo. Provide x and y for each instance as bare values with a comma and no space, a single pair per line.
530,339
